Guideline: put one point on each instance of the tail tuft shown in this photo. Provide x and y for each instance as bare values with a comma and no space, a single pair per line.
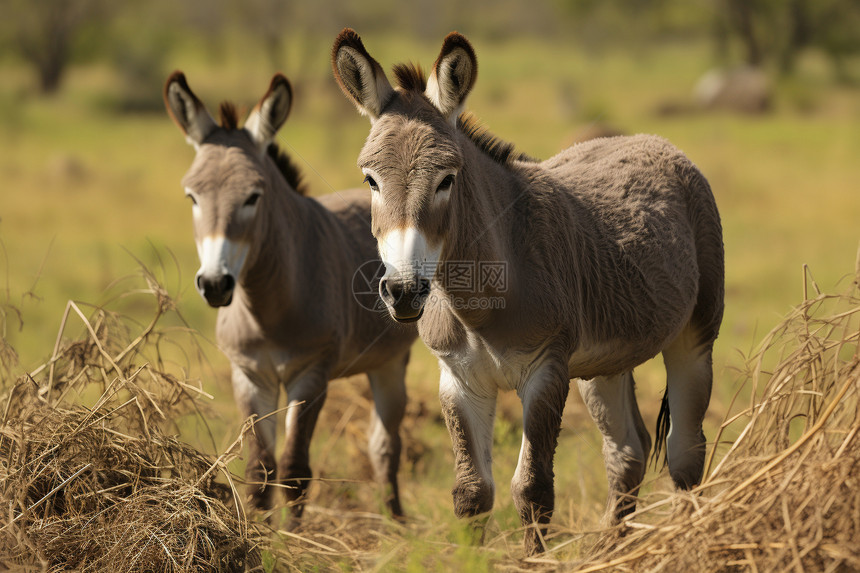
663,425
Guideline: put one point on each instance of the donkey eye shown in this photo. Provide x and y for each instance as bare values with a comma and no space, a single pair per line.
370,181
252,200
446,183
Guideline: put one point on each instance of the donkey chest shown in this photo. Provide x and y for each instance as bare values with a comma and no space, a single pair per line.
478,364
265,360
269,365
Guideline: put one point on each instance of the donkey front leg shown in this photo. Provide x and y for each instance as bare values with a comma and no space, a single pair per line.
543,395
306,396
389,396
256,398
469,414
611,401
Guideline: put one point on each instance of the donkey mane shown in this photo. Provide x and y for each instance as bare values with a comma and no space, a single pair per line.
499,150
410,77
287,168
230,121
229,115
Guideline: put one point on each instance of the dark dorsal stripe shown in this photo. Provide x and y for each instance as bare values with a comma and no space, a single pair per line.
230,120
499,150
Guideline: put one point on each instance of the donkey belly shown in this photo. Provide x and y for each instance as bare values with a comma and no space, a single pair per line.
610,358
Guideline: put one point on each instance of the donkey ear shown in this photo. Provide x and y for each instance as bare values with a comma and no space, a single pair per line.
186,110
453,76
269,115
360,77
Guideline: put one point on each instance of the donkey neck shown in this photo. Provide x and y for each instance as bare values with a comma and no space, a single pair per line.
478,237
490,190
269,283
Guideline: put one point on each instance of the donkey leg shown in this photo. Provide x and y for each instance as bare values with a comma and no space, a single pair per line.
611,401
253,397
469,416
532,487
689,375
306,397
389,397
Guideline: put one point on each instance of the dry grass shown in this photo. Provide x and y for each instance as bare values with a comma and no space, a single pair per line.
786,495
100,487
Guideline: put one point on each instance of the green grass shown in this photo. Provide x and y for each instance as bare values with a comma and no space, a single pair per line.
86,190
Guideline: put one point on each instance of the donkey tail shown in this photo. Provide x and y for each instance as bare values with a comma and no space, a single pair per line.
663,424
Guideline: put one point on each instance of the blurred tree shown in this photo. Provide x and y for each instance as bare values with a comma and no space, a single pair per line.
306,28
209,20
632,23
741,17
777,31
45,32
138,43
269,21
836,30
798,32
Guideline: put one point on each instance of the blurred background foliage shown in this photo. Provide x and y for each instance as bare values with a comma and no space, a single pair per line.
137,37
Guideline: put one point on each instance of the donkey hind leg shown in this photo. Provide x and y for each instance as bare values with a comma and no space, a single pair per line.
689,374
255,398
389,396
611,401
305,396
543,397
469,416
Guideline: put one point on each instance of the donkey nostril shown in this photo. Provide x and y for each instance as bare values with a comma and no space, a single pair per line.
396,290
423,287
390,291
383,290
227,283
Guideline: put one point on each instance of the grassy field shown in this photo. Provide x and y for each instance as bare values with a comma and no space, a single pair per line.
88,191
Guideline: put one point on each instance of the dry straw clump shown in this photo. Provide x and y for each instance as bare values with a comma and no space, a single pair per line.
786,494
101,487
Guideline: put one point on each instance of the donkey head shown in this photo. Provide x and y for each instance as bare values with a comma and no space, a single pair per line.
228,180
411,159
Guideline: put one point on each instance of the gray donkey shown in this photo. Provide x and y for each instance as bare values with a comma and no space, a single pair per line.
583,266
280,267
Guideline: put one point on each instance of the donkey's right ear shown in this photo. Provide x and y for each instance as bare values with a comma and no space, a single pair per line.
453,76
270,114
360,77
186,110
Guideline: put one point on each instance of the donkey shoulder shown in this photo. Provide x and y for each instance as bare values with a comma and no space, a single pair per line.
348,203
351,209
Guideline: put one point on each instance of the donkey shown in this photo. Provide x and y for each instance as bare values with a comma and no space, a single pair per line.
611,253
279,265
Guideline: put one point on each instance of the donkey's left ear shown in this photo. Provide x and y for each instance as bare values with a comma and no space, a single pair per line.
453,76
269,115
